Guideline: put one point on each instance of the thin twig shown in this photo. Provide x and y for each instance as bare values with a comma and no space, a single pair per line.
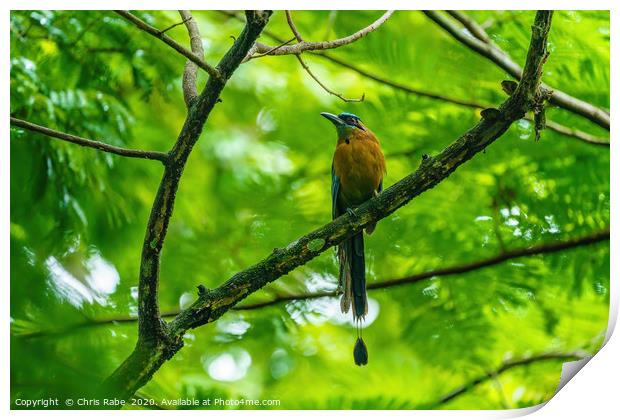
325,88
322,45
140,24
94,144
185,19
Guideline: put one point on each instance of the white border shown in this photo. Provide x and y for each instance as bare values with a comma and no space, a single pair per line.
311,5
592,393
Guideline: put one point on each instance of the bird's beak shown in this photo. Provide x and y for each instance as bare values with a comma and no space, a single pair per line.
333,118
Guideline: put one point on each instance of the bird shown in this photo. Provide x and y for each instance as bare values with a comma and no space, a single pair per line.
358,168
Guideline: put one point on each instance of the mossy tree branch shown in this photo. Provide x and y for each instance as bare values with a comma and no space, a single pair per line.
155,345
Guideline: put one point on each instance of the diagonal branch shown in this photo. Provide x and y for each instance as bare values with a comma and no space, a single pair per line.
142,25
321,45
507,365
94,144
190,92
543,249
491,51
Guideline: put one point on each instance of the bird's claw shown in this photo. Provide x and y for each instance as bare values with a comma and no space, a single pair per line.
351,212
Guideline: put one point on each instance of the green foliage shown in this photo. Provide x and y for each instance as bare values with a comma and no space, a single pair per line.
259,178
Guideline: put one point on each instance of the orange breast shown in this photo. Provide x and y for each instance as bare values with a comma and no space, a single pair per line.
360,165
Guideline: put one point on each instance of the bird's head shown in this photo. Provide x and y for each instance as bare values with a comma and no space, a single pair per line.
345,123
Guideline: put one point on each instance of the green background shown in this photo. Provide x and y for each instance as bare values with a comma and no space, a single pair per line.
259,178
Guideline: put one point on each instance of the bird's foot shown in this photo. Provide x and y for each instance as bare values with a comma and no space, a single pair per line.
351,212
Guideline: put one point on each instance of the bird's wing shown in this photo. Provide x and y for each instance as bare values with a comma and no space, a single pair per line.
335,191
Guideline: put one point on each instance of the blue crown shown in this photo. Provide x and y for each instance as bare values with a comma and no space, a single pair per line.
346,115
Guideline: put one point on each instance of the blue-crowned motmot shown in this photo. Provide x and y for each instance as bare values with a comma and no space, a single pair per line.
357,175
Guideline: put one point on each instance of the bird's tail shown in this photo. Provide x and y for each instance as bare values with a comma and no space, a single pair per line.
353,281
353,276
